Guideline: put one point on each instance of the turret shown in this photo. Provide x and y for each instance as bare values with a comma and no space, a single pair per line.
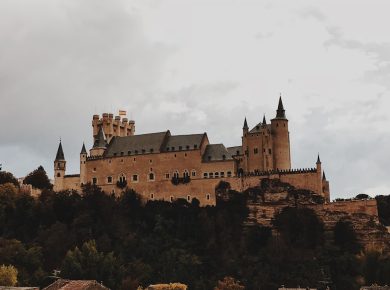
245,128
59,169
281,139
99,146
83,165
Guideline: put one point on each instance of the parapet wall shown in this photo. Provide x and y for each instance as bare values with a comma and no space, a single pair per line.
367,206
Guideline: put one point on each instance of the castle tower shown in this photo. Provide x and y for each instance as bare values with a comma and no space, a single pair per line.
267,157
245,130
325,187
83,165
281,139
59,169
99,146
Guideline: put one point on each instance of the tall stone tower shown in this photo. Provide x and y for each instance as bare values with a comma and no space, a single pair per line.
83,165
281,139
59,169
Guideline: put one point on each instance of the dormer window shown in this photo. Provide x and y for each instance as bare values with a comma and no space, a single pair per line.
136,151
143,150
151,150
115,154
209,158
167,148
224,157
188,147
180,147
195,146
173,148
122,153
128,152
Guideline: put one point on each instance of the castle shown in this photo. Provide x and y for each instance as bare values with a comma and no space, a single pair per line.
162,166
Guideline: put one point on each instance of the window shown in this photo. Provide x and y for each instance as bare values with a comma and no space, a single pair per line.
167,175
58,174
122,153
122,178
115,154
167,148
195,146
188,147
193,173
185,154
143,151
151,150
171,198
152,196
270,151
94,169
186,173
151,176
209,158
136,151
229,174
122,160
173,148
128,152
216,174
211,175
176,174
208,196
109,161
222,174
180,148
237,152
188,198
224,157
134,178
150,161
255,151
94,180
109,179
205,175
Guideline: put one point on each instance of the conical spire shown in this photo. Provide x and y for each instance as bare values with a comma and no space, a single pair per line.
100,140
60,153
245,124
318,159
323,175
264,120
83,150
281,112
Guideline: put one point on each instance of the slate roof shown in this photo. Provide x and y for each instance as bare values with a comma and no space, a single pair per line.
100,139
144,143
216,152
184,142
60,153
257,128
63,284
233,150
83,150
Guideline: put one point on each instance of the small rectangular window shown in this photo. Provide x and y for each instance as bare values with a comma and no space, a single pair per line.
216,174
222,174
167,175
135,177
109,179
171,198
255,151
205,175
188,198
94,180
211,175
270,151
208,196
229,174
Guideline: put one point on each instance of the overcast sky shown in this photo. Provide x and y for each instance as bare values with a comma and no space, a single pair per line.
200,66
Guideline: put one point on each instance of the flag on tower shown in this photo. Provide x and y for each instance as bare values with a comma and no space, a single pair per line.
122,113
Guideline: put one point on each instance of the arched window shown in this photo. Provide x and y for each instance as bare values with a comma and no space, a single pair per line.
208,196
122,178
58,174
94,180
188,198
186,173
193,173
176,174
151,176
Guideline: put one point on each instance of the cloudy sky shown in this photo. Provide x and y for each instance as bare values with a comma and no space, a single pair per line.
196,66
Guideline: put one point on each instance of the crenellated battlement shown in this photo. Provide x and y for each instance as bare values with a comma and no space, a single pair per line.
280,172
112,126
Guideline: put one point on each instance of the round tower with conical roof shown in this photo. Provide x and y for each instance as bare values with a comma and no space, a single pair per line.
281,139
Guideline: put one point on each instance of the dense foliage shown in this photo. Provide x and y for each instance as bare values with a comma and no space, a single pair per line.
125,243
38,179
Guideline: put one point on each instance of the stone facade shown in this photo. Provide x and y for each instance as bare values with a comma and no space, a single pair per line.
165,166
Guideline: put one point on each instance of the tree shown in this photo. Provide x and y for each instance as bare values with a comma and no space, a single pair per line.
38,179
7,177
88,263
345,236
8,275
300,227
229,283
